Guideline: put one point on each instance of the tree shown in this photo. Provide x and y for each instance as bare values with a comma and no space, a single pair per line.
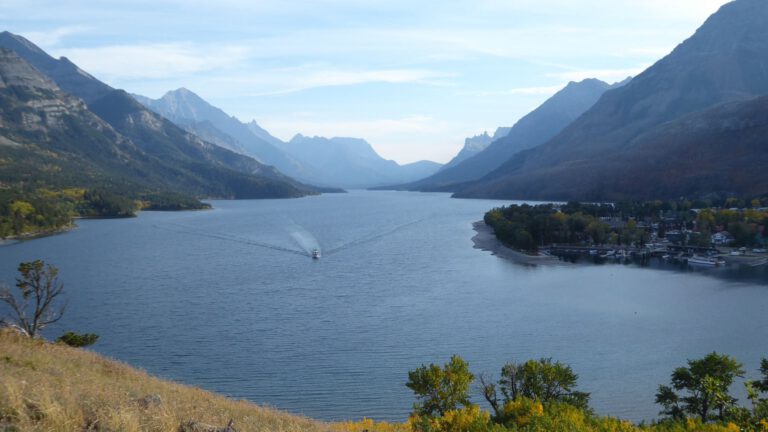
35,307
441,389
755,389
78,340
706,384
541,380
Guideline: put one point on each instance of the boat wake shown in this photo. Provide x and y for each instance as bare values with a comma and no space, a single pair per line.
308,243
304,239
371,238
227,237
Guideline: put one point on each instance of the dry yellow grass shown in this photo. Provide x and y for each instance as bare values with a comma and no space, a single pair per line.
51,387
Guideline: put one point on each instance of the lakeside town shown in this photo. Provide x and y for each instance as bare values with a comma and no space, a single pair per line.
686,232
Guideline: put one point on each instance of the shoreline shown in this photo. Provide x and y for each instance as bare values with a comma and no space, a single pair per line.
485,240
36,235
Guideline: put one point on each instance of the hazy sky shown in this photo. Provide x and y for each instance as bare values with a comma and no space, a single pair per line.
412,77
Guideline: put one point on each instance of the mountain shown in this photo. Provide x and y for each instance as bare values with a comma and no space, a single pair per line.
263,134
335,162
720,151
475,145
726,60
353,163
59,141
66,74
530,131
191,112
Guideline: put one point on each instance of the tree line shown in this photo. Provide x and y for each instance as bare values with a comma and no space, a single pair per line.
528,227
541,395
30,211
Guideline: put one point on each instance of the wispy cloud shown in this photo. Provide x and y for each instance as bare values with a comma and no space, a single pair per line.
130,62
284,81
53,37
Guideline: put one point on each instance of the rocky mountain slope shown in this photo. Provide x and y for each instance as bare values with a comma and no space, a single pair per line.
532,130
55,139
726,60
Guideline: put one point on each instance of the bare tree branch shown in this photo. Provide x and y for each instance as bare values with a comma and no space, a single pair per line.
39,285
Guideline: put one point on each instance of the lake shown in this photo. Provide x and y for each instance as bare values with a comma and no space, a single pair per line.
230,300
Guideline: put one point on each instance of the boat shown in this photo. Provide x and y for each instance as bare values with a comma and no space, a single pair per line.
706,261
315,253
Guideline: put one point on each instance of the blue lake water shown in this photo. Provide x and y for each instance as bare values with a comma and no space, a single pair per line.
229,300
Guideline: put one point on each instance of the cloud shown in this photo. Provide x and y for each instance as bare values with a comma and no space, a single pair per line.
131,62
52,38
284,81
678,10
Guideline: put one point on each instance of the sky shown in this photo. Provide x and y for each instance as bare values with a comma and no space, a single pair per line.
414,78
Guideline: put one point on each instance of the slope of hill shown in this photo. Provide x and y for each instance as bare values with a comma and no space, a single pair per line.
726,60
55,387
532,130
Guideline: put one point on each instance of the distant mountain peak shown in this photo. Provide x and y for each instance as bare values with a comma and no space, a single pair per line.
353,162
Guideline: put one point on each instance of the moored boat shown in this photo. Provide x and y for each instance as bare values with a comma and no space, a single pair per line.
704,261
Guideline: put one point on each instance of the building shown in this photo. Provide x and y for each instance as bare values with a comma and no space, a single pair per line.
722,238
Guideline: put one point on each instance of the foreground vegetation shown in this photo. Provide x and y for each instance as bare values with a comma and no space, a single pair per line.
540,395
54,387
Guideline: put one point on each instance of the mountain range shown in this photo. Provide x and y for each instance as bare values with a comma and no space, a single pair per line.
685,126
62,127
353,163
339,162
693,124
530,131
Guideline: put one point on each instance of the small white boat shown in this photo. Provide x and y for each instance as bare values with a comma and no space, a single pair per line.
705,261
315,253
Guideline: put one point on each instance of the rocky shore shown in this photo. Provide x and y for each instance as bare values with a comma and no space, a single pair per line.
487,241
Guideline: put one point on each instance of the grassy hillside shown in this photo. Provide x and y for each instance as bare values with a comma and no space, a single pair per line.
52,387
